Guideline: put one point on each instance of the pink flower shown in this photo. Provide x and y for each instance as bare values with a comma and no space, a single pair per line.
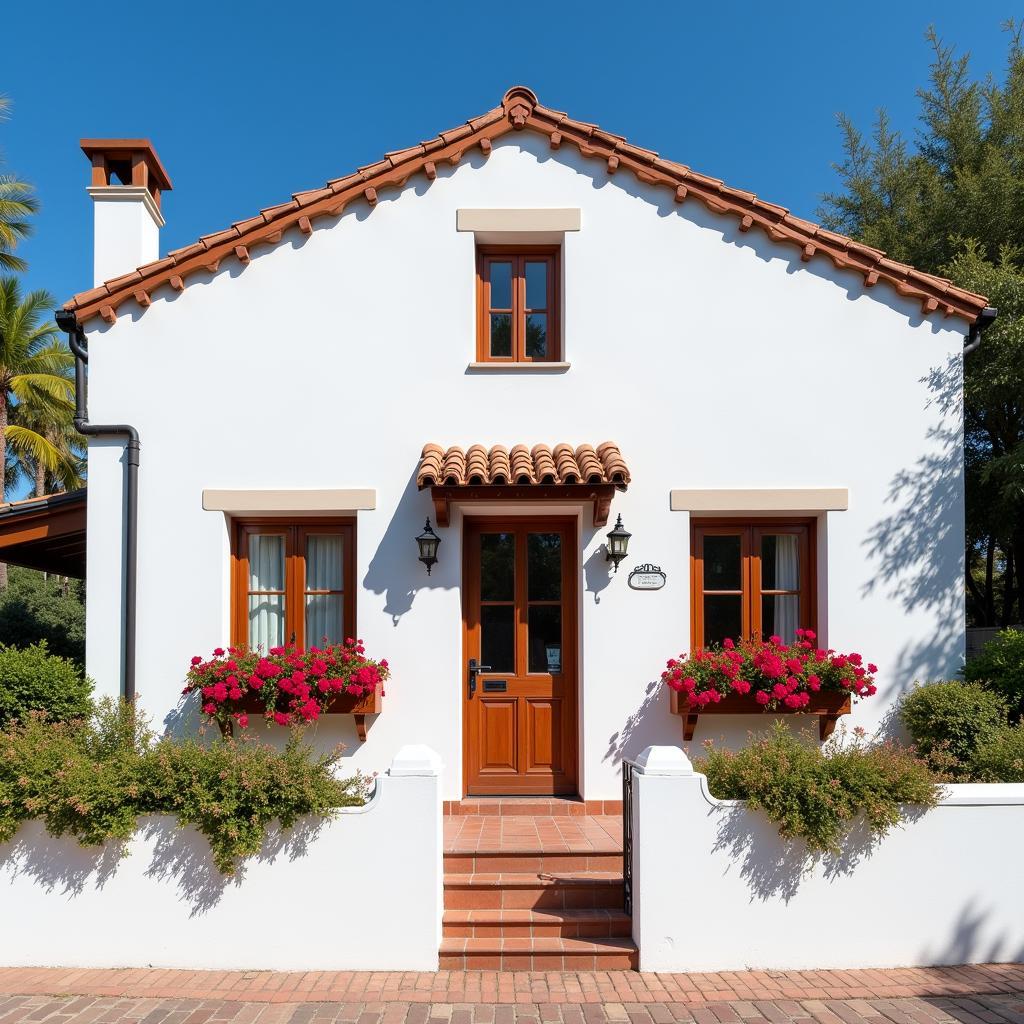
218,652
872,668
810,634
791,700
761,697
728,644
872,690
779,691
281,718
220,692
255,682
741,686
814,683
235,693
210,709
674,683
243,721
197,660
775,639
323,685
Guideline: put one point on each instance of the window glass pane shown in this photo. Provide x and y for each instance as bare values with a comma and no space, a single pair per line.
497,567
501,334
324,562
723,617
545,624
544,562
266,621
324,619
501,285
537,285
780,562
780,616
536,335
266,562
722,563
497,637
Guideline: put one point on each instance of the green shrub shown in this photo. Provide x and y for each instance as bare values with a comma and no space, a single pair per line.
949,720
92,779
32,679
36,607
818,794
1001,757
999,666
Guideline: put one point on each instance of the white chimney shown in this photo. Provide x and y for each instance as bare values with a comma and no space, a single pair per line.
127,220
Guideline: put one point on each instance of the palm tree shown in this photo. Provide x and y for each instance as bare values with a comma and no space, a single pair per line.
34,372
17,204
52,419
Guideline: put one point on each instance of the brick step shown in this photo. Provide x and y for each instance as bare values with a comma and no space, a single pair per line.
538,954
585,923
496,806
530,890
526,859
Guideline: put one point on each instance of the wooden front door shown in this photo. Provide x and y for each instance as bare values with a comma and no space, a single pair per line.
519,615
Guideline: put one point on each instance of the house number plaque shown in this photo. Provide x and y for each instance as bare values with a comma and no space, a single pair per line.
647,577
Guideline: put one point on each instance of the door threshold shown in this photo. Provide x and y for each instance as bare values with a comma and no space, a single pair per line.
535,806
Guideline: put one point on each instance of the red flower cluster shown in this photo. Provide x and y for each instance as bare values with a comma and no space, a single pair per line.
293,686
777,674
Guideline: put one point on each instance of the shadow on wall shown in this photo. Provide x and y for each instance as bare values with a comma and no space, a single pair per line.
180,857
774,867
597,570
968,944
918,547
395,570
645,726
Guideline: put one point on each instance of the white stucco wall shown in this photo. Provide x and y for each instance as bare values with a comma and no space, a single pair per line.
716,889
713,358
344,894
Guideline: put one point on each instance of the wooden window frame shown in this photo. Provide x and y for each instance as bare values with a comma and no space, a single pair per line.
295,532
518,255
751,530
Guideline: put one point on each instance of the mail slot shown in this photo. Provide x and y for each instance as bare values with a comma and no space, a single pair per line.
495,685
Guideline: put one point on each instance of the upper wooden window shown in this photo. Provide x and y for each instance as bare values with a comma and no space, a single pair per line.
293,582
751,578
517,304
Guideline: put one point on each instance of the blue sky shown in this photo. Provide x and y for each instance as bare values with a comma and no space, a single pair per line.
247,103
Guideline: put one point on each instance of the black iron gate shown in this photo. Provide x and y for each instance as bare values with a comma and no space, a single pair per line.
627,835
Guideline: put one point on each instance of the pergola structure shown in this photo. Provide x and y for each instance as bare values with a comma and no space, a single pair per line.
46,533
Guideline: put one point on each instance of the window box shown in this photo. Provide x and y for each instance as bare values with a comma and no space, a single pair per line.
827,706
340,704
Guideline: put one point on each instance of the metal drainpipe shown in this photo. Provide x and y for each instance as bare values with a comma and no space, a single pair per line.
68,323
985,318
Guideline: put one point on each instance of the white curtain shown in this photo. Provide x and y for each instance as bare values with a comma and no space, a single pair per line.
324,571
787,577
266,572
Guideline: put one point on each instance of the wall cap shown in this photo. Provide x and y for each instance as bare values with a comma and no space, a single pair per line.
415,759
663,761
128,194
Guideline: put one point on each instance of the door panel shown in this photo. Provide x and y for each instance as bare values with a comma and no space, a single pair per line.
520,619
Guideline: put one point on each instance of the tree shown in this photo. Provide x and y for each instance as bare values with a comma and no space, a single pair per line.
38,607
34,371
953,204
17,204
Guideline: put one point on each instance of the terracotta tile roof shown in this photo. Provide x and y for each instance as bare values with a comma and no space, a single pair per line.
520,110
497,465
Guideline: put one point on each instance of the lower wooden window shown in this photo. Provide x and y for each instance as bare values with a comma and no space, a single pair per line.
293,583
751,578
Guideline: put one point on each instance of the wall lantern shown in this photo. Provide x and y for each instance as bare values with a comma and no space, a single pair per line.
428,541
618,543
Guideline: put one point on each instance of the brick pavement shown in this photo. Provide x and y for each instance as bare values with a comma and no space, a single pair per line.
981,994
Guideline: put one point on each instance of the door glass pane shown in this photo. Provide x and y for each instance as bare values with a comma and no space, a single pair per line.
497,566
722,563
266,621
537,285
780,562
501,285
324,562
497,637
780,616
266,562
545,624
544,564
324,619
536,335
501,334
723,617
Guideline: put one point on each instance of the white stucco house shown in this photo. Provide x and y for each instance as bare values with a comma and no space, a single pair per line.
521,329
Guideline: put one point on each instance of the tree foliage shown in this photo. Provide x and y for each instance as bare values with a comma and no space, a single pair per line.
952,203
42,607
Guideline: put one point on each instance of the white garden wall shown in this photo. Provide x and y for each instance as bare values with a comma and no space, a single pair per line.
715,888
360,892
714,358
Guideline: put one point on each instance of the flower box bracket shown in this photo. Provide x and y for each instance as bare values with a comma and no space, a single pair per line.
827,707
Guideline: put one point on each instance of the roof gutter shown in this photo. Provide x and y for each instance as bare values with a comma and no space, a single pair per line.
985,319
68,323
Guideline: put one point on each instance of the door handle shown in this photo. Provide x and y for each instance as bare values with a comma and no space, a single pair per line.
474,670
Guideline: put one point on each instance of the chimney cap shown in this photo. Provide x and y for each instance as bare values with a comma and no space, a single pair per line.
134,161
